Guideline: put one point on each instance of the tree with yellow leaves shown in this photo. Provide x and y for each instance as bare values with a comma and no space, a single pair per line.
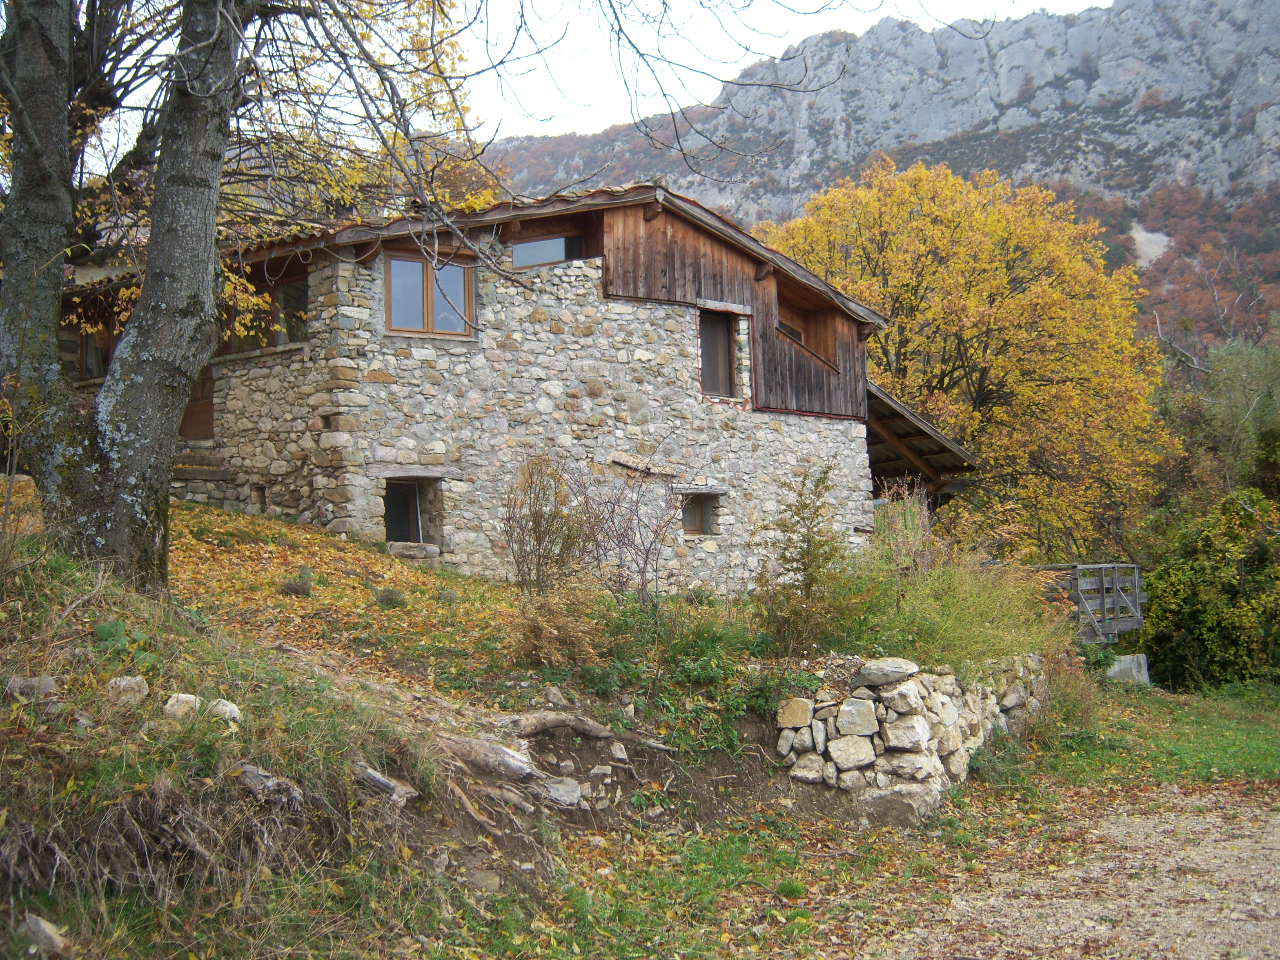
1006,328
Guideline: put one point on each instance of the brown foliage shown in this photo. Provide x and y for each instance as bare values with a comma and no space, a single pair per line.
557,627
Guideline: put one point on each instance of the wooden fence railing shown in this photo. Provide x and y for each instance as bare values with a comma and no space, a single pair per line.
1108,597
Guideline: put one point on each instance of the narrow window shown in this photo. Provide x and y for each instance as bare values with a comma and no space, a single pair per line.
426,299
537,253
406,294
401,508
260,497
290,303
699,515
719,351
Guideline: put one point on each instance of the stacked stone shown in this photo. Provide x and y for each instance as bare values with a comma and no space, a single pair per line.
901,726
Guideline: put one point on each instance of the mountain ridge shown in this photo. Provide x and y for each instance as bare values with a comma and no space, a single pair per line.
1117,100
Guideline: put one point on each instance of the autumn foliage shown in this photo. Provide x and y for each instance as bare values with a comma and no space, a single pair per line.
1008,329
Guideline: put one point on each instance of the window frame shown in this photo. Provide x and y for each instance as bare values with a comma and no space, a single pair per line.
707,507
731,323
429,269
569,235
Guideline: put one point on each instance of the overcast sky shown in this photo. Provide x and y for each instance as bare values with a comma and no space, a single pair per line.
577,85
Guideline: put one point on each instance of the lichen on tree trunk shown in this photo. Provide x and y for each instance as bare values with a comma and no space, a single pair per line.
104,470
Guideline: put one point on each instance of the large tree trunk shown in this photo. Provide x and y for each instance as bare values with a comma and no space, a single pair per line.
104,469
35,71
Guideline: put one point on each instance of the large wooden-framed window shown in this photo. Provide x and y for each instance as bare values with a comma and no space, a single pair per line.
718,341
426,298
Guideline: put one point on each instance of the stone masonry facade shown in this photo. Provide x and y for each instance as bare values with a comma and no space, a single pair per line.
317,429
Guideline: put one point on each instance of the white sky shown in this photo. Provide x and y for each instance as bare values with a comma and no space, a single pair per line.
578,84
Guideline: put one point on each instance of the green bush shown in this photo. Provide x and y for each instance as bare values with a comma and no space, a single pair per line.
935,602
1214,612
805,601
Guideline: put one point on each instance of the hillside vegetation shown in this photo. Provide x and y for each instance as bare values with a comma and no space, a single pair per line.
144,837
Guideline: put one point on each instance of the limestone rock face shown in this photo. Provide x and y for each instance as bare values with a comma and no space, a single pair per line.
1119,100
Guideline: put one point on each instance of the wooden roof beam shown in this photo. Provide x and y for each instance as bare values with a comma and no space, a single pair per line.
908,454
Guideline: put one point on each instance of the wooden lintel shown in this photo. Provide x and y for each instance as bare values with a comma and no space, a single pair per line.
763,270
652,211
919,462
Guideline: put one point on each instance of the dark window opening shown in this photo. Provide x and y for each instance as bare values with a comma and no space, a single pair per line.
260,497
790,331
701,513
414,511
718,342
537,253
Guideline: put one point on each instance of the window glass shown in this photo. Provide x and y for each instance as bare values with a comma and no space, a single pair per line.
450,308
291,311
532,253
407,307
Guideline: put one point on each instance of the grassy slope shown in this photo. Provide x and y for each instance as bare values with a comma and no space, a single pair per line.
761,885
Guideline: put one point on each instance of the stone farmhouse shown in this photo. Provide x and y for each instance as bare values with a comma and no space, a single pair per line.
630,330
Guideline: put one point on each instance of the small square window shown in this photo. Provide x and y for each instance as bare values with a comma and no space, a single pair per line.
701,513
537,253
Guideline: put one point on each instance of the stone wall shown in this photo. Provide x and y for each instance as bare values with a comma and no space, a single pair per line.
896,737
554,367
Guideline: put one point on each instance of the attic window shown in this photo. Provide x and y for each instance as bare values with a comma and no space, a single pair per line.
814,331
548,250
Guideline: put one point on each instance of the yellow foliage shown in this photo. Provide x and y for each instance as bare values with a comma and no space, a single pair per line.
1007,329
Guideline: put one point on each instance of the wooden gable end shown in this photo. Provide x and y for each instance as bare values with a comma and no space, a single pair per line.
650,254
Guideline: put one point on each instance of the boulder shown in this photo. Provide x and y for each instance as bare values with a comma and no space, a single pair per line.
904,805
796,712
1130,669
127,691
31,688
911,766
818,730
877,673
857,717
808,769
849,753
907,733
829,772
225,710
180,706
902,697
804,740
786,740
563,791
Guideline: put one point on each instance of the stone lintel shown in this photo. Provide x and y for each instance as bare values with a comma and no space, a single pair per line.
690,489
398,471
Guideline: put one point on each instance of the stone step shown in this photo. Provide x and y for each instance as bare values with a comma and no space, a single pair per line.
183,471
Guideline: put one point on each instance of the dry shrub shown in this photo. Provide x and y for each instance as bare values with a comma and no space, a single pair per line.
1072,704
559,627
546,530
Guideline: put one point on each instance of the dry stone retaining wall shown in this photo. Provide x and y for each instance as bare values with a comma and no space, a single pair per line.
898,737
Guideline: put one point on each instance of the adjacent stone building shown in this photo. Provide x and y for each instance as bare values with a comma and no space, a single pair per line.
630,332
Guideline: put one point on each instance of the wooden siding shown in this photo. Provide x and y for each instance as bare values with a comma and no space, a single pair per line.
661,257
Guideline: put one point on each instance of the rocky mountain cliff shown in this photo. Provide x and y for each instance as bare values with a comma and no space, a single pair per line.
1119,100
